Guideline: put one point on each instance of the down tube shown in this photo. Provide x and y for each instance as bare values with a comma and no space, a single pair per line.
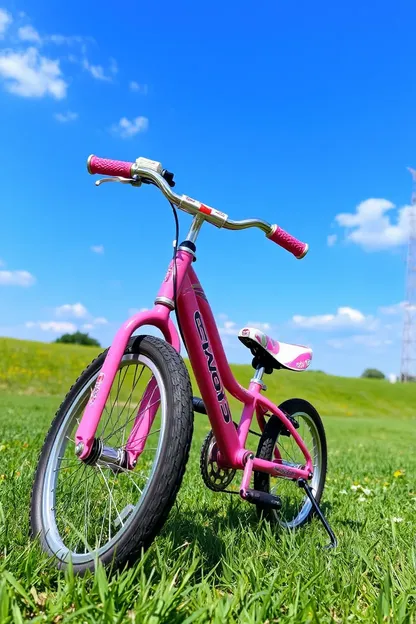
230,382
207,375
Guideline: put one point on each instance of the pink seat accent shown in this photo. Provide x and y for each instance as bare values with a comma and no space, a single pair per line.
293,357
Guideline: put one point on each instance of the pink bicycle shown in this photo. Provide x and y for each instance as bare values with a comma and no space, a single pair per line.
115,455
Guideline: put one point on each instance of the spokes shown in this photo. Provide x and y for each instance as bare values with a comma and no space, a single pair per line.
93,504
295,505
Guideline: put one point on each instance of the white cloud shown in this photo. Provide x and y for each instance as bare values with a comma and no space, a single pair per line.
113,66
96,71
335,343
331,240
5,21
76,310
371,227
56,327
68,40
396,309
65,117
132,311
29,74
264,327
364,340
138,88
100,320
16,278
230,328
344,317
227,327
227,330
98,249
370,341
79,311
28,33
126,128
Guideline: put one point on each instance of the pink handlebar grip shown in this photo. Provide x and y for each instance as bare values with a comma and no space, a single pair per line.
106,166
288,242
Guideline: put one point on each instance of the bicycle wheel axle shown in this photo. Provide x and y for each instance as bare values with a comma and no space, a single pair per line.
108,456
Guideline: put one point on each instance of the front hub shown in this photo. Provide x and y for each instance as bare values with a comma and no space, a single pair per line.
107,456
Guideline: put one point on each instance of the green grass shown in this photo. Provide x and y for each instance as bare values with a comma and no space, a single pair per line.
213,561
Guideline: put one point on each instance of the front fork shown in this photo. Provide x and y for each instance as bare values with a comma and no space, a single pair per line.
85,434
143,422
127,456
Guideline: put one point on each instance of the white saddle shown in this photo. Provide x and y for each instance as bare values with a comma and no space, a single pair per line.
284,355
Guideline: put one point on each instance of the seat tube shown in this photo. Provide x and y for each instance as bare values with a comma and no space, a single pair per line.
255,387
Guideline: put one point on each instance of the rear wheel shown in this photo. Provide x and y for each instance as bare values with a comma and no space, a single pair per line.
296,508
88,511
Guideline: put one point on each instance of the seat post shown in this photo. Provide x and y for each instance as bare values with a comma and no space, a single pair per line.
258,377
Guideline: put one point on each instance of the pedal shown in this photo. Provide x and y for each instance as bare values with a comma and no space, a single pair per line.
198,405
262,498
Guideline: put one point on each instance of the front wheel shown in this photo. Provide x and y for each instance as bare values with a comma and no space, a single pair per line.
86,511
296,507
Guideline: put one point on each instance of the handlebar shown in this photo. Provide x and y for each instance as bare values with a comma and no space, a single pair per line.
106,166
151,171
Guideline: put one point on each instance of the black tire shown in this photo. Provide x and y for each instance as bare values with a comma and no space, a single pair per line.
265,449
148,520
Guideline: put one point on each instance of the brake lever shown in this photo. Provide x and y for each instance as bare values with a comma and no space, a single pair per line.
135,181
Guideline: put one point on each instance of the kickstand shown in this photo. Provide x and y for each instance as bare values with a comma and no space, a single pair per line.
305,485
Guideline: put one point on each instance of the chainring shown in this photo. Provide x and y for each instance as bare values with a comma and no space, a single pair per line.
214,477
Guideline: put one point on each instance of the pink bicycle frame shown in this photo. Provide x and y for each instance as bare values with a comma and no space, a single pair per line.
212,373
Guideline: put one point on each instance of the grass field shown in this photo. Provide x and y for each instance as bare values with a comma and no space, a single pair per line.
213,561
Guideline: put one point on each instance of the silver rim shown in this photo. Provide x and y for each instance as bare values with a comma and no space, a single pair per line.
295,505
71,486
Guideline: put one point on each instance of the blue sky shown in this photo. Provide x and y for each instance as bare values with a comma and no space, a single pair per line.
296,113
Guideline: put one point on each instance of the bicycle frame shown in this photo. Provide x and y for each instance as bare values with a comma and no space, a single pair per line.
212,373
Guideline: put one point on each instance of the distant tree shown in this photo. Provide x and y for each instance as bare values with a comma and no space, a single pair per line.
78,338
373,373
